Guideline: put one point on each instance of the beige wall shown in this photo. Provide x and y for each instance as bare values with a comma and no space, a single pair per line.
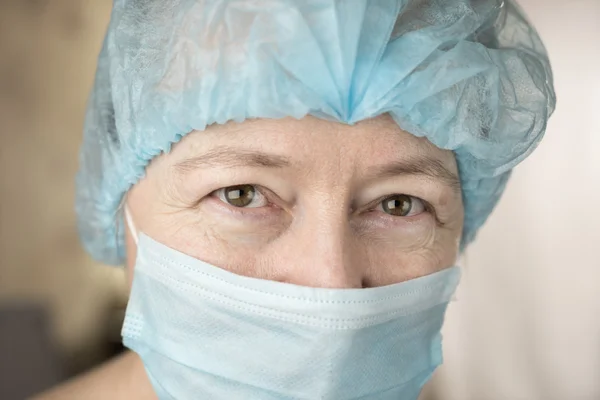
527,323
48,52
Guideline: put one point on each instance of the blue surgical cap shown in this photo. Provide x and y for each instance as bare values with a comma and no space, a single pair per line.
471,76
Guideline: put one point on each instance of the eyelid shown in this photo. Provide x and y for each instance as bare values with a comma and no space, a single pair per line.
262,191
221,195
266,193
427,205
423,205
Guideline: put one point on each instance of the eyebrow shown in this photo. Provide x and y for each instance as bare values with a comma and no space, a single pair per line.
421,166
230,157
233,157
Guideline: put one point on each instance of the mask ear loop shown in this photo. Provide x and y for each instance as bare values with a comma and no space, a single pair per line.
131,225
464,270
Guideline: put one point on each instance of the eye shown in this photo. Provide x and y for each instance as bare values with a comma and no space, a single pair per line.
401,205
242,196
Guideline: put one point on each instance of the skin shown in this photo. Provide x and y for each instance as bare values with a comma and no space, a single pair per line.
317,217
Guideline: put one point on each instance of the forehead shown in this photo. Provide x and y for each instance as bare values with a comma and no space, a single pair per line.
375,140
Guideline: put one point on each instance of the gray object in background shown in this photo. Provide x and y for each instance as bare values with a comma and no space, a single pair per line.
29,362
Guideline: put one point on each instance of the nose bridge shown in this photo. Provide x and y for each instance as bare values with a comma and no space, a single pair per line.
329,257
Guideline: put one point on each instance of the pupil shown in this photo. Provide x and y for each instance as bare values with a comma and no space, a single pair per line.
397,205
239,196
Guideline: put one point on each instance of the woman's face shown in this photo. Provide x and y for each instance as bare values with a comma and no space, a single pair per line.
308,202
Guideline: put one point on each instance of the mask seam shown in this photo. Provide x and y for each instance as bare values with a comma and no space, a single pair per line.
351,323
430,286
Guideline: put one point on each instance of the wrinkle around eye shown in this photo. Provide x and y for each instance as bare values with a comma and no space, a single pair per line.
437,198
201,183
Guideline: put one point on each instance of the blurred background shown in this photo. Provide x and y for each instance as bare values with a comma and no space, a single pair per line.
59,311
526,323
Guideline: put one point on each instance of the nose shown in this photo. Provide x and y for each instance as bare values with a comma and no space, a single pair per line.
326,254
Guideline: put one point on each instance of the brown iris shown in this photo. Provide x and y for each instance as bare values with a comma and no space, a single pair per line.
398,205
240,196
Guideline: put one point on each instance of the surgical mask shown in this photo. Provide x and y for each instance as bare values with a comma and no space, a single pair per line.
205,333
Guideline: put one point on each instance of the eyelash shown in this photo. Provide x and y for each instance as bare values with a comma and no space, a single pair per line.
427,207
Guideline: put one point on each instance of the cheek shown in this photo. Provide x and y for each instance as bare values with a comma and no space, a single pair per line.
204,241
443,251
397,266
394,263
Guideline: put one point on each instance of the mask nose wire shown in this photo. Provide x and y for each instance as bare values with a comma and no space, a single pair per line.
131,225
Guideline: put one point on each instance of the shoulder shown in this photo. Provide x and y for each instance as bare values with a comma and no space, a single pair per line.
123,377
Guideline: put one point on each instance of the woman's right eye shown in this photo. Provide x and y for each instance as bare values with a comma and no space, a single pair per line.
242,196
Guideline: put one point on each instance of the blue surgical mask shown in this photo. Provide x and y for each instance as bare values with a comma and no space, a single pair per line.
206,333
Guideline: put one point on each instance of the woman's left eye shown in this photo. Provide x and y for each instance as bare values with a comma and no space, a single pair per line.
242,196
401,205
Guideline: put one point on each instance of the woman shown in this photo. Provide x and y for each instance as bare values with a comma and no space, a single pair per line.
290,184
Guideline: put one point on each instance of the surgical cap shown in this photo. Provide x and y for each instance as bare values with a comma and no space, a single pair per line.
472,76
